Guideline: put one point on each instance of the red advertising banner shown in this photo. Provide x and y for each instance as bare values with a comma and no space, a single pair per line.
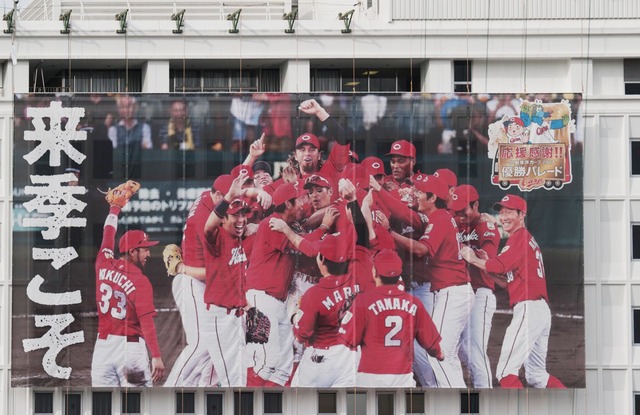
289,240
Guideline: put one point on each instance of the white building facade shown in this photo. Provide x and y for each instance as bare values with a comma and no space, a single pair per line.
566,46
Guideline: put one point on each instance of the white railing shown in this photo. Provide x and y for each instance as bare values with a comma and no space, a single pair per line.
513,9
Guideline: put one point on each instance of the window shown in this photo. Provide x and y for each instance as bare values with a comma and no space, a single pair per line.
635,232
243,403
635,157
131,402
43,403
637,404
462,76
272,403
469,403
225,80
327,403
414,403
214,404
386,404
356,403
185,403
101,403
365,80
102,80
636,325
632,76
72,404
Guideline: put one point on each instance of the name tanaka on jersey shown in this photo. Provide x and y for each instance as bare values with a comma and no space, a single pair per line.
117,278
393,304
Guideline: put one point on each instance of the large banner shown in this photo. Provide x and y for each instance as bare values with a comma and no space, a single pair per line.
257,240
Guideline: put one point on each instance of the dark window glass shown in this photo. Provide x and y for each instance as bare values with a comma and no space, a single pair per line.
637,404
461,76
73,404
272,403
101,403
632,88
635,157
636,326
214,404
327,403
243,403
632,76
635,230
356,403
131,403
469,403
414,403
185,402
385,404
43,402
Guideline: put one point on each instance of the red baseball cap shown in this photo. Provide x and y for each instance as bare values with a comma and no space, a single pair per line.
432,184
317,180
358,175
308,138
462,196
223,183
516,120
511,202
388,263
402,148
287,191
238,205
335,248
373,165
447,176
135,239
242,168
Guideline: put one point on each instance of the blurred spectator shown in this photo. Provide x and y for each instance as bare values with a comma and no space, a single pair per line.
245,117
179,133
129,137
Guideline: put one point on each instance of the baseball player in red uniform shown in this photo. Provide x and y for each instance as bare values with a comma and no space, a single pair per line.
227,252
447,272
385,322
193,366
268,282
124,297
326,361
402,161
520,269
478,235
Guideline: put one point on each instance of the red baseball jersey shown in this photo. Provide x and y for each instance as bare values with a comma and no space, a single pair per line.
485,236
226,260
411,224
193,238
273,261
384,322
321,309
123,294
444,264
521,261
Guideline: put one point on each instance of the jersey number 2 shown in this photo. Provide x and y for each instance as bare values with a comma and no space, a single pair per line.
118,311
395,323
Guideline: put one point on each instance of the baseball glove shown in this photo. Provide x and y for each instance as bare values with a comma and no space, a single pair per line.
120,195
258,326
172,256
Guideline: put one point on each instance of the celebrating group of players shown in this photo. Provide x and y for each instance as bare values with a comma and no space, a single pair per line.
353,277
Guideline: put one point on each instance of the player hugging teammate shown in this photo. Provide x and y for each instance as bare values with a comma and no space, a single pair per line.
337,275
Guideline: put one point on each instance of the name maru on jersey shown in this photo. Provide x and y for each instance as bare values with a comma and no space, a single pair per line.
393,304
117,278
340,295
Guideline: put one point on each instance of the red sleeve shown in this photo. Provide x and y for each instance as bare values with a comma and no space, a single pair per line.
427,333
509,258
149,333
401,211
110,227
339,156
489,239
434,235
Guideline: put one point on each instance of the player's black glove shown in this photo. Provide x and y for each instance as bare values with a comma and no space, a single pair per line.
258,326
